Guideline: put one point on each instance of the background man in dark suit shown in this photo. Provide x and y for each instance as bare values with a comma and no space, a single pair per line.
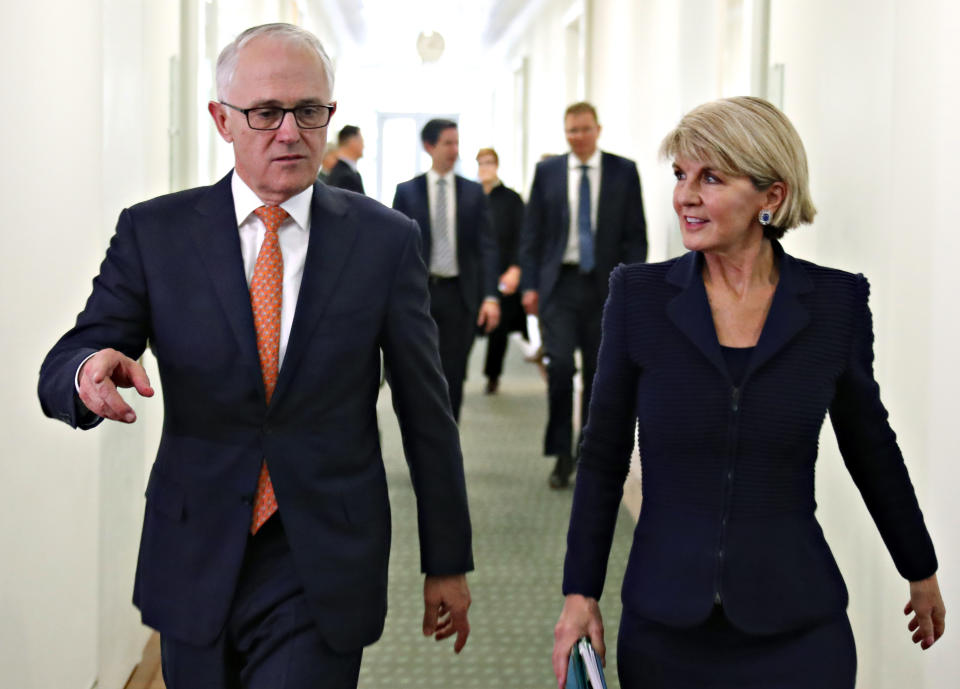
349,149
584,216
459,248
266,299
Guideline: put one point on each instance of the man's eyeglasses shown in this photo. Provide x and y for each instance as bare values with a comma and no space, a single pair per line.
270,117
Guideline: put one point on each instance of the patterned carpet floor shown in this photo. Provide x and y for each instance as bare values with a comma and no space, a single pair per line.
519,531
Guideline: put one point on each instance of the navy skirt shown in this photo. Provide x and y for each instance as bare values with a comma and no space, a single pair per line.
717,655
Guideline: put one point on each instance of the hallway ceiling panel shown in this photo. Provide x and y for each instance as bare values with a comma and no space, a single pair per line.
466,24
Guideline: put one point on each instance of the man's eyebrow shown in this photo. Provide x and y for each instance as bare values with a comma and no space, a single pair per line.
273,103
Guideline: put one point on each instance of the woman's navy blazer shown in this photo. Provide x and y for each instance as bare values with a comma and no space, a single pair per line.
728,472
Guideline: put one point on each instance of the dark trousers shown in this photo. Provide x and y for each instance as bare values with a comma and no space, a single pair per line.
570,320
270,640
456,326
512,319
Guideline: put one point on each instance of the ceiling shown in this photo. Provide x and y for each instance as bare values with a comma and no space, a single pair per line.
478,23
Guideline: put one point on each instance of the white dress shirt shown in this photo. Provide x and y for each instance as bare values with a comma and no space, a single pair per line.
432,178
572,254
294,235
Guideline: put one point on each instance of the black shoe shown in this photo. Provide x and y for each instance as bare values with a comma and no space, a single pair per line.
492,385
560,476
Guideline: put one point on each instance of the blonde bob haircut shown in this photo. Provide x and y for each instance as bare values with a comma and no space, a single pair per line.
750,137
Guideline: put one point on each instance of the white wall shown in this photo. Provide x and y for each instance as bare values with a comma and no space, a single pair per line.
48,586
872,88
90,82
876,104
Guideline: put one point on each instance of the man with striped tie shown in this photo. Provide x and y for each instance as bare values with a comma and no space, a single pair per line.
459,248
267,299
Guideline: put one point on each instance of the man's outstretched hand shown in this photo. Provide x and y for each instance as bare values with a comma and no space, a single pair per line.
99,378
445,601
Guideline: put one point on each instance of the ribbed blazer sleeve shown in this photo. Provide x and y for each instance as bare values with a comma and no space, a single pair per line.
872,456
605,453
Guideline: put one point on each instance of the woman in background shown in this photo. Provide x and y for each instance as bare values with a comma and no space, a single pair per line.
506,215
727,360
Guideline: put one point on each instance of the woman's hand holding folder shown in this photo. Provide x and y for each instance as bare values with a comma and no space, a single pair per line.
580,617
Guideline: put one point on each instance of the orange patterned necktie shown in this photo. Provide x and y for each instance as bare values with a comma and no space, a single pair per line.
266,297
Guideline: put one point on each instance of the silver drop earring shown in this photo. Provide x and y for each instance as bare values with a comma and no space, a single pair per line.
765,217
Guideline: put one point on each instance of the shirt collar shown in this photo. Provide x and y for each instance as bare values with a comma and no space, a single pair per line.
593,162
245,202
433,176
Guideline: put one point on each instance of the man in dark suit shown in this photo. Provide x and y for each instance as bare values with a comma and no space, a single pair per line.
266,300
349,149
584,216
459,248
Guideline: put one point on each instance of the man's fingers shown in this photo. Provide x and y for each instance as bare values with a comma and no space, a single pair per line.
137,376
104,400
462,635
429,619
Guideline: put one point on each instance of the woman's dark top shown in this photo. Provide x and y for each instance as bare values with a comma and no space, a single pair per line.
736,359
506,215
728,470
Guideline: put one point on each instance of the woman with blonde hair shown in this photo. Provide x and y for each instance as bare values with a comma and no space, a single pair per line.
727,360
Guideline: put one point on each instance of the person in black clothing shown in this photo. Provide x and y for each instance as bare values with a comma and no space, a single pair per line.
723,364
506,215
349,149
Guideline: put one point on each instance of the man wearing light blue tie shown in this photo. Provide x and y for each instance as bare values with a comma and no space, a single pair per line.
583,217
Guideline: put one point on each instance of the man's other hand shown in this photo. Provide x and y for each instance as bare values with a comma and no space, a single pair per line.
489,315
531,302
101,375
445,601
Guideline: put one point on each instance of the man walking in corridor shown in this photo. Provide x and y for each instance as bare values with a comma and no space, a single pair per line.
459,248
266,299
583,217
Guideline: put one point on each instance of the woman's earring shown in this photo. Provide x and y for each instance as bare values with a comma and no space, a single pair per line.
765,217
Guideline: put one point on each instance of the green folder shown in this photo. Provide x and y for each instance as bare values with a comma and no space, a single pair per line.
584,671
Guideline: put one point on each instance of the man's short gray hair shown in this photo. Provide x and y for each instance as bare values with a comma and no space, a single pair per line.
227,62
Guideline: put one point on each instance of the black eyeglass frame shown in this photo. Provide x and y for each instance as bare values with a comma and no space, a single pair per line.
246,113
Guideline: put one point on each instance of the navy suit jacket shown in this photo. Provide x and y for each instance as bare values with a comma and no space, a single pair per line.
620,235
477,252
345,177
173,278
728,472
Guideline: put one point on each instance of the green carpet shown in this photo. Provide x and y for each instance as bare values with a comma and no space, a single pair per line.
519,532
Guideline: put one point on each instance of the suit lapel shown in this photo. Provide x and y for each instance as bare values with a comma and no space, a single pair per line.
423,199
787,316
218,242
565,198
331,241
461,218
690,309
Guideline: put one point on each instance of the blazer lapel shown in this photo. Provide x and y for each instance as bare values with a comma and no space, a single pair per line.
564,196
606,184
331,241
218,243
690,310
426,231
462,222
787,316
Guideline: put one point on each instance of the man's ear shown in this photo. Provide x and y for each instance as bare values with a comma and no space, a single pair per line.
219,114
